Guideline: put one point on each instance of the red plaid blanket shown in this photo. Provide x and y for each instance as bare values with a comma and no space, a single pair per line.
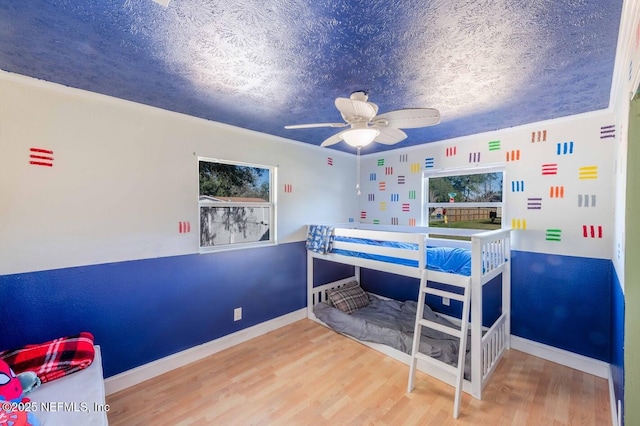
54,359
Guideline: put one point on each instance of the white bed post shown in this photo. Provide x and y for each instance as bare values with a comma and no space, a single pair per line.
476,321
506,289
356,273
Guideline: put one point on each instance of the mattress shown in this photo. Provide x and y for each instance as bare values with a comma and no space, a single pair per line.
391,323
76,399
443,259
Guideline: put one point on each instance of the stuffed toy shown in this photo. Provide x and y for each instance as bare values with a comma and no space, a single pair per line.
15,409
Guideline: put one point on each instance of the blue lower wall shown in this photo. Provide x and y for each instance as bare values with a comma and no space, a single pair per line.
140,311
561,301
617,339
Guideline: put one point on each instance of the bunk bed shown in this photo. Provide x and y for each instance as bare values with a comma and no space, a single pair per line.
407,251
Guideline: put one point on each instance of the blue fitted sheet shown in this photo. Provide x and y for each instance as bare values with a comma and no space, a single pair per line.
444,259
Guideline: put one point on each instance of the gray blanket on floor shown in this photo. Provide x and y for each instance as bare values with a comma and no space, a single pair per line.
391,323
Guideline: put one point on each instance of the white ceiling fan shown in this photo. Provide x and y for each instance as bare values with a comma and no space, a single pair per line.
367,127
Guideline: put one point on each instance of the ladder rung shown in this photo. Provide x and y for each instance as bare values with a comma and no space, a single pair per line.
441,293
436,362
443,328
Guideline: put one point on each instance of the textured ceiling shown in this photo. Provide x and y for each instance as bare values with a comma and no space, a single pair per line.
485,64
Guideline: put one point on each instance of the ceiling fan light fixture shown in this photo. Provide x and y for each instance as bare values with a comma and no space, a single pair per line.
360,137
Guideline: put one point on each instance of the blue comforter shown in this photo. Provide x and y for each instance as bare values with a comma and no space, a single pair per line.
443,259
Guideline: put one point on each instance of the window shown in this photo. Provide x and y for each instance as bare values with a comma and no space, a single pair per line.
236,204
464,199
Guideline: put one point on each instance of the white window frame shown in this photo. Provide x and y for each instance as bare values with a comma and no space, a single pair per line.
426,205
272,205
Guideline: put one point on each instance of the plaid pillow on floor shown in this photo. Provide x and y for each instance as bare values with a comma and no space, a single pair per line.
349,297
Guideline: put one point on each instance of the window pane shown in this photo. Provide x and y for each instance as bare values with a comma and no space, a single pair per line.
233,225
233,183
466,217
484,187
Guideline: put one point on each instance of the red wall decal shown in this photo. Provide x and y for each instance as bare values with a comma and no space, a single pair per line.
41,157
550,169
591,231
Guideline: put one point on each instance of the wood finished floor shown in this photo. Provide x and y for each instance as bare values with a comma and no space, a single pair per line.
306,374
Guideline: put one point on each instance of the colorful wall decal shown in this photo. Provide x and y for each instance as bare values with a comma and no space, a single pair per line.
381,162
588,172
412,194
564,148
429,163
404,158
412,221
401,180
539,136
591,231
474,157
494,145
513,155
406,207
383,206
553,234
376,221
372,176
388,170
586,200
394,220
451,151
534,203
363,215
556,191
330,161
288,187
41,157
517,186
519,224
371,197
608,131
550,169
184,227
395,197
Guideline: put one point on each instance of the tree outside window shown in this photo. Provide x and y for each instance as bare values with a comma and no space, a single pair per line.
236,204
469,200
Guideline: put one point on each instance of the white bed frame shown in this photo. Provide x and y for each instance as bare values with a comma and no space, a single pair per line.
487,344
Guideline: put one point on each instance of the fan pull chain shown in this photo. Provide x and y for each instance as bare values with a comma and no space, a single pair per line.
358,170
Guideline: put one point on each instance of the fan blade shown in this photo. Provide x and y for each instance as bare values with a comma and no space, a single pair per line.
355,108
309,126
389,135
409,118
333,139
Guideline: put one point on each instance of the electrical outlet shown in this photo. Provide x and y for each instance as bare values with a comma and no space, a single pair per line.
237,314
446,301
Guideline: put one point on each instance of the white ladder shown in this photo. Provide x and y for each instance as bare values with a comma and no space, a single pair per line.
457,372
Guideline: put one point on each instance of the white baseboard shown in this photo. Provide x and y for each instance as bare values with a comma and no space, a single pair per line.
150,370
562,357
616,415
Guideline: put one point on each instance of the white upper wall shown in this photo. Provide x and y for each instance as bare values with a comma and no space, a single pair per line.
125,175
574,145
